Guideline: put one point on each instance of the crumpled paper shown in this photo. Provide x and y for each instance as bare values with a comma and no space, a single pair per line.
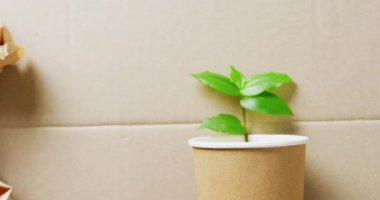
10,53
5,191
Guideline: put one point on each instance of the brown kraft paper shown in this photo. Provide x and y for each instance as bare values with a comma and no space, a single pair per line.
250,174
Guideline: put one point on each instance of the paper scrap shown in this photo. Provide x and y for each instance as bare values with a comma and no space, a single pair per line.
5,191
10,53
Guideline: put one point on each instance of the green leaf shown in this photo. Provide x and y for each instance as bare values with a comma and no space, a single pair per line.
237,78
266,103
224,123
218,82
264,82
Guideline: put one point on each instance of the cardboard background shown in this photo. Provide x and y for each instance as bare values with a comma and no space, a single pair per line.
104,84
154,161
100,63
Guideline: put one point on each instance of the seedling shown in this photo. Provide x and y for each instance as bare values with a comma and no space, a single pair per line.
254,94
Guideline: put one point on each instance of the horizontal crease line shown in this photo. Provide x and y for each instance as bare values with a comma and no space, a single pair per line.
185,123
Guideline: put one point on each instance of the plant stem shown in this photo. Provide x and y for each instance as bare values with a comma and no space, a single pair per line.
245,125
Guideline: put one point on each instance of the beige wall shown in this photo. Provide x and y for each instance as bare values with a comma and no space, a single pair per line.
104,81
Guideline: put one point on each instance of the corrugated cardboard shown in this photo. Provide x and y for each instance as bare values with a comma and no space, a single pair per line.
330,48
246,174
116,55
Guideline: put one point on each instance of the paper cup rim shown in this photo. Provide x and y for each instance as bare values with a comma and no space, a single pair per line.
256,141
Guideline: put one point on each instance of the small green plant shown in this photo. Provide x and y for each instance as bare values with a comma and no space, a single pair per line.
254,94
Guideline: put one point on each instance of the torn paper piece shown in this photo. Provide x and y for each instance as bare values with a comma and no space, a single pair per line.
5,191
10,53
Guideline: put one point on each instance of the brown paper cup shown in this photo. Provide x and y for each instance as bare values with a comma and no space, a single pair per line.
269,168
